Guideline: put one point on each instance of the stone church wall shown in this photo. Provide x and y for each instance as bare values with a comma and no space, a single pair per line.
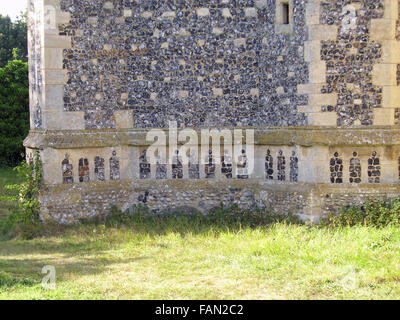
316,80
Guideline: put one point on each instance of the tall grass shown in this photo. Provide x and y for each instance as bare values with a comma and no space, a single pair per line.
8,176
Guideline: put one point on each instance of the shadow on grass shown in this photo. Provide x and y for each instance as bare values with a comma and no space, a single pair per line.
84,248
21,261
52,246
27,272
141,221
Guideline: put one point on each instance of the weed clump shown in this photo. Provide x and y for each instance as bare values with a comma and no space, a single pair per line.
377,214
218,218
24,220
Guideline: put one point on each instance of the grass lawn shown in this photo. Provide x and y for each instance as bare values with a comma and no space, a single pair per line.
281,261
185,260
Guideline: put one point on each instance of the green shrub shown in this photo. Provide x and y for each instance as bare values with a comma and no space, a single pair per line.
14,111
25,220
375,214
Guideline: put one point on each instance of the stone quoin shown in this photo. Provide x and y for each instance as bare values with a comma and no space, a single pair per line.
317,81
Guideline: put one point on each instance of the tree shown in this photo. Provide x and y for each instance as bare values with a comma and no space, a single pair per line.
14,111
13,35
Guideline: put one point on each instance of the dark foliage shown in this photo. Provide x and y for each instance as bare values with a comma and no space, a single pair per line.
377,214
13,36
14,111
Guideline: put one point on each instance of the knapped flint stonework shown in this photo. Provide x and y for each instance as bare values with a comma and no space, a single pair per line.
320,88
350,60
184,61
